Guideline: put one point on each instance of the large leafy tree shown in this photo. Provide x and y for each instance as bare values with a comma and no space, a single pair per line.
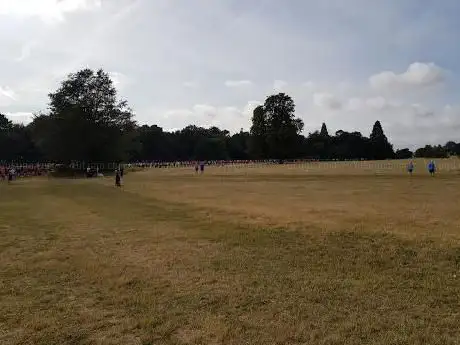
237,145
5,123
16,143
5,138
452,148
429,151
258,147
404,154
86,121
318,144
283,128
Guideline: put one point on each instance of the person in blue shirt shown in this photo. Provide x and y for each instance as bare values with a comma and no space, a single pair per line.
431,168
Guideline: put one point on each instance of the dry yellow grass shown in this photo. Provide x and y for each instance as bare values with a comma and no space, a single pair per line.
310,254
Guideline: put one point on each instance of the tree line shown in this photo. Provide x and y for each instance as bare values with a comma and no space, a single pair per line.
86,122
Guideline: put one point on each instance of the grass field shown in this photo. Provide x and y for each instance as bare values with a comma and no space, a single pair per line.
341,253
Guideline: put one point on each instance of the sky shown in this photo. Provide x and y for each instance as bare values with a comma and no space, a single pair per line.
211,62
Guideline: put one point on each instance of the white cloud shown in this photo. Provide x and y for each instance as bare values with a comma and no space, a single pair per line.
326,100
382,106
309,85
206,115
7,96
420,125
237,83
355,103
451,116
26,50
190,84
7,92
48,10
205,110
119,80
279,85
20,117
421,110
249,108
378,103
417,74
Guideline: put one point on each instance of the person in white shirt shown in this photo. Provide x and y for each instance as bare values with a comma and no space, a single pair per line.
410,167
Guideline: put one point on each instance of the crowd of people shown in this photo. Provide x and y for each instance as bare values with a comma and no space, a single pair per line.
192,163
11,172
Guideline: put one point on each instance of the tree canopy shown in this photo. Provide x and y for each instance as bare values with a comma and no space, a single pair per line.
275,130
87,122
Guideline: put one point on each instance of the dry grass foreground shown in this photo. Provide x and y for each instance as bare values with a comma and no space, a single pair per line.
313,254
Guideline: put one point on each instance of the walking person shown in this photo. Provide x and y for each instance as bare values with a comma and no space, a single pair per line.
431,168
117,178
11,173
410,167
201,167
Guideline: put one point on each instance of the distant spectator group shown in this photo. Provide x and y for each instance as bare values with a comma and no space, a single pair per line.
10,172
192,163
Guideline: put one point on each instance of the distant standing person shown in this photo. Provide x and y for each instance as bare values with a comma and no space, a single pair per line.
410,167
117,178
431,168
196,168
10,175
202,167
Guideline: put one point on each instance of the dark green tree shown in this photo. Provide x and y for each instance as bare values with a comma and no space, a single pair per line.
452,148
346,145
404,154
238,145
86,121
211,148
152,144
319,144
16,143
283,128
258,147
429,151
324,132
380,146
5,123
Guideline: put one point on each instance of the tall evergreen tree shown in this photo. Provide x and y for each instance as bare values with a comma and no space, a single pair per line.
324,132
380,146
377,132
